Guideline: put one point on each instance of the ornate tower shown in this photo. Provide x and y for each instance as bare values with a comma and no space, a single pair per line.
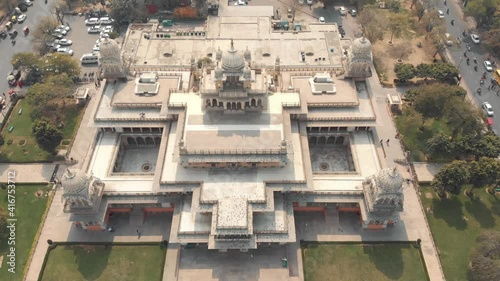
81,193
110,60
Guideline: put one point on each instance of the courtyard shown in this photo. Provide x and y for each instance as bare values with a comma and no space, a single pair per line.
98,262
324,262
466,218
31,201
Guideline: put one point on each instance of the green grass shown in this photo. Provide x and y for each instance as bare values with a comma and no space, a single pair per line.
29,211
456,222
30,152
346,262
416,140
94,262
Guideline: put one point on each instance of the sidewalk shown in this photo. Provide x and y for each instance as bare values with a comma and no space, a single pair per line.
28,173
413,216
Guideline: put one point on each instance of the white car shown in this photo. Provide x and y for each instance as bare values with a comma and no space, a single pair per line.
21,18
106,20
65,27
66,51
475,38
104,35
60,31
93,30
440,14
98,41
63,42
309,2
322,20
96,48
488,65
240,3
107,28
488,109
28,3
342,11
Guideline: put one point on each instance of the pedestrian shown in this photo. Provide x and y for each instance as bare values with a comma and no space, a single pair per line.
489,88
3,95
381,142
387,142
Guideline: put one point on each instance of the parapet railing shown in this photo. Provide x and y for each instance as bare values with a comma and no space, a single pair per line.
234,151
341,118
137,105
132,119
290,104
177,104
334,104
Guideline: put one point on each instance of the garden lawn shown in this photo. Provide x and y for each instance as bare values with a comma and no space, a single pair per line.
456,222
95,262
374,262
416,140
13,151
29,211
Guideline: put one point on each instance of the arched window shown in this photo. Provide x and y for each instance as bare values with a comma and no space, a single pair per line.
131,141
259,103
149,141
214,102
313,140
322,140
330,140
140,141
253,103
340,140
228,105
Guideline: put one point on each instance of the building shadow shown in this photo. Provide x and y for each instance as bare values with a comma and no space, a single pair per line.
449,210
387,258
480,212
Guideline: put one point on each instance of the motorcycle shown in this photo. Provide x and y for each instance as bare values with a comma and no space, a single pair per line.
452,22
475,68
468,61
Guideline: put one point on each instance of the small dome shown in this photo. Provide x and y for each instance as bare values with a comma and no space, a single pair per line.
247,54
109,51
361,50
218,54
232,60
75,182
389,180
247,73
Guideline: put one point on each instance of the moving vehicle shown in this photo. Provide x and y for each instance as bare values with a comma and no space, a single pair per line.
89,58
63,42
66,51
488,66
342,11
322,20
488,109
475,38
28,3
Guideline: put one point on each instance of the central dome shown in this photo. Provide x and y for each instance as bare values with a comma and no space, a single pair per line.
75,182
361,50
389,180
232,60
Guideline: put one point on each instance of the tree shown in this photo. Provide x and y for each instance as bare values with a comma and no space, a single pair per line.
492,39
461,118
431,100
47,136
411,120
439,144
41,34
451,177
60,7
482,172
404,71
419,9
49,98
484,11
25,59
424,70
373,23
479,145
431,19
484,262
127,10
444,71
60,63
402,50
394,5
398,24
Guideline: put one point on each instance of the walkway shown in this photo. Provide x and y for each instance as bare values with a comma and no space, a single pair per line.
413,216
28,173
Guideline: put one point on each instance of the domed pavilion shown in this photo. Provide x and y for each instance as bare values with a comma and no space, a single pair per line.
359,59
110,60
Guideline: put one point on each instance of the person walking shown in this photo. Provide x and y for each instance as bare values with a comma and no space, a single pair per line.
387,142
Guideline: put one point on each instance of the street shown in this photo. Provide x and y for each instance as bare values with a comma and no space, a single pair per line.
470,77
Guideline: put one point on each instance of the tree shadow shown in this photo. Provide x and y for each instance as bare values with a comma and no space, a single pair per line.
480,212
387,258
91,260
449,210
495,206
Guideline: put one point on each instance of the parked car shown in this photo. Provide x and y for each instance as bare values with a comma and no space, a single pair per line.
488,109
440,14
238,3
94,30
65,27
342,11
28,3
107,28
52,46
66,51
107,20
321,19
475,38
92,21
96,48
353,12
60,31
63,42
58,35
21,18
309,2
488,65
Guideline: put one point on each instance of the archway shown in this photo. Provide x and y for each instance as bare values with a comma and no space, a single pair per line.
214,102
207,102
313,140
131,141
140,141
259,103
330,140
228,105
322,140
157,140
340,140
238,106
149,141
253,102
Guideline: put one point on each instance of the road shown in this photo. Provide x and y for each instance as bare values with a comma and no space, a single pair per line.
470,77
